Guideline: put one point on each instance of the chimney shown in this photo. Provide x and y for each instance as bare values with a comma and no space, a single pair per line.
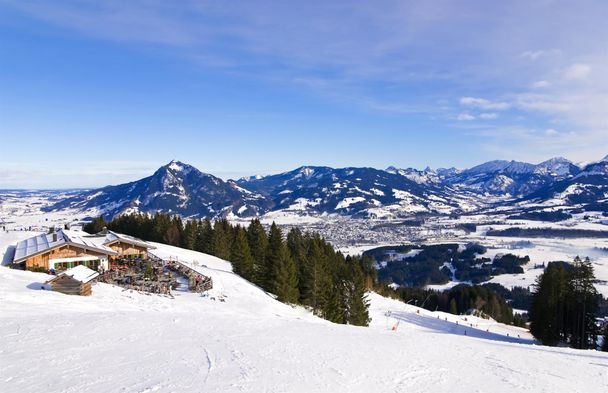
54,236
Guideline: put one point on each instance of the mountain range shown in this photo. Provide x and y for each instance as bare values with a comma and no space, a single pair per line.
180,188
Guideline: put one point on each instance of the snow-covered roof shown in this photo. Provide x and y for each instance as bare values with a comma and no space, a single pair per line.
38,244
113,236
80,273
47,241
90,241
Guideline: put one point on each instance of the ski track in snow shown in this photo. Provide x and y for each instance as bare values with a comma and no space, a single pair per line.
209,365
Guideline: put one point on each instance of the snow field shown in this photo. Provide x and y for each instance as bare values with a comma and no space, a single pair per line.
118,340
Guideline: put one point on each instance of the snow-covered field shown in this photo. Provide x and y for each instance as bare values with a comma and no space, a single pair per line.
547,250
119,340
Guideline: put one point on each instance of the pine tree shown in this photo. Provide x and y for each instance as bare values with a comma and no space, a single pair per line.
274,256
285,276
333,303
564,305
453,307
190,234
258,242
312,288
548,309
204,237
328,291
240,256
582,303
370,272
160,226
222,239
172,236
356,293
297,245
95,226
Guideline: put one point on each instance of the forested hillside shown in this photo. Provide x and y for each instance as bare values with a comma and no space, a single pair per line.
301,268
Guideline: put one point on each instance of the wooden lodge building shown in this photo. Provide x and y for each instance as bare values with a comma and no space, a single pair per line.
75,281
65,249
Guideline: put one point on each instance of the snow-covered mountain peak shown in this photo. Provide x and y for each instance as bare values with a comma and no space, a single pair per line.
557,166
175,188
426,176
489,167
502,166
306,171
391,169
177,167
448,172
556,160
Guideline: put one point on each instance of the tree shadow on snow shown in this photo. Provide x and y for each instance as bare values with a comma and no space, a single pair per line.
442,326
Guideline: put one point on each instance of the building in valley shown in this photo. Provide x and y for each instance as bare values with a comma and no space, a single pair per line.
65,249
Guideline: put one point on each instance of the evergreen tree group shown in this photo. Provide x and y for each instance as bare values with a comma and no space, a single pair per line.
300,268
564,305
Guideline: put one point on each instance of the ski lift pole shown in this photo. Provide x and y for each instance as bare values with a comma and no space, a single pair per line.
427,298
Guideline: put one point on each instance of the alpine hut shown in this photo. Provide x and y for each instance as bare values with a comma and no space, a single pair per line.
75,281
65,249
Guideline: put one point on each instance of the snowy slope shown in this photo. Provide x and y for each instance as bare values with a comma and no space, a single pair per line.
119,340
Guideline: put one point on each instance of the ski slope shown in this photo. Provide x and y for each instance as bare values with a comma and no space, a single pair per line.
118,340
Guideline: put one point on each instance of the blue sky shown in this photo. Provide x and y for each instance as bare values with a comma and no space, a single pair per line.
95,93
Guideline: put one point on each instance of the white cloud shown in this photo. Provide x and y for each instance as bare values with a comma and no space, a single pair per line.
488,116
541,84
483,103
535,145
465,117
535,55
577,71
543,103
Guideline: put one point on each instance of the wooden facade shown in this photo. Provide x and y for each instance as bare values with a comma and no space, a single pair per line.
67,249
125,249
70,286
63,251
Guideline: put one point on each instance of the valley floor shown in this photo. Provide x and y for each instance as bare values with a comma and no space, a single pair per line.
122,341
